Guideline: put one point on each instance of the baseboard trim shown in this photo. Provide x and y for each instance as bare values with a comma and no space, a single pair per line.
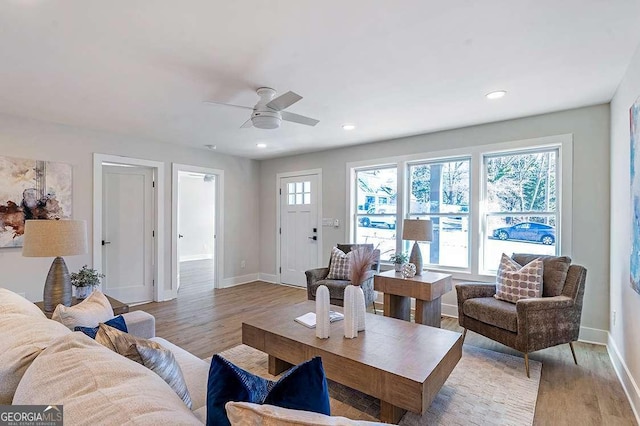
593,335
242,279
587,334
629,384
269,278
196,257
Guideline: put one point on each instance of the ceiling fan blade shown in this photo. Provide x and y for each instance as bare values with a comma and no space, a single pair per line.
296,118
247,124
230,105
284,101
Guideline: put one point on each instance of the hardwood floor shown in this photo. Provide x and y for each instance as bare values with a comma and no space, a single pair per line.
196,276
208,322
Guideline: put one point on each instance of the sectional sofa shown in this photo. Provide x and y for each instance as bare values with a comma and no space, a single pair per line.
45,363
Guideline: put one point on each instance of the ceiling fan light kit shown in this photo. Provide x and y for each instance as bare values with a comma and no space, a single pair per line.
268,112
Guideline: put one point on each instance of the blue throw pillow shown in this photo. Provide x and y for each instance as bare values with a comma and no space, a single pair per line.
303,387
117,322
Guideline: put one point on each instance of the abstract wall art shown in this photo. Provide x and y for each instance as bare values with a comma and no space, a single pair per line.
31,189
634,118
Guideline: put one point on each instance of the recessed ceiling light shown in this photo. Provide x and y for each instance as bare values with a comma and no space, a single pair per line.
348,126
212,147
261,145
496,95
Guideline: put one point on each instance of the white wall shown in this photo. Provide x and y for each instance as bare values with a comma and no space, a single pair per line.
196,211
38,140
590,127
625,302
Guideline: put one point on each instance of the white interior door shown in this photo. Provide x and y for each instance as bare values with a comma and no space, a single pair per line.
298,228
127,233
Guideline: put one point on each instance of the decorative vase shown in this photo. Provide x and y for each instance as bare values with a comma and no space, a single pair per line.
322,312
350,312
361,308
84,292
409,270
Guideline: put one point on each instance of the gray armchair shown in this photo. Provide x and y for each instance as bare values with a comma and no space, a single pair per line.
530,324
317,277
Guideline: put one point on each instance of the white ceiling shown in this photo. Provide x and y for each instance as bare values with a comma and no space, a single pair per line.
394,68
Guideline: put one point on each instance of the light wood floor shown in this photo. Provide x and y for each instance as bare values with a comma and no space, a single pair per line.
209,322
196,276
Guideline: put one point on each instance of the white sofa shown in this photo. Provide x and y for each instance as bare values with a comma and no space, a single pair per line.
43,362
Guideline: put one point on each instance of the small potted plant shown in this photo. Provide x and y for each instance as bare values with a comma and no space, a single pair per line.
85,280
399,259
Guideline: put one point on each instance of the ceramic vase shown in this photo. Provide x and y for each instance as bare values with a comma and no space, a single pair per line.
322,312
361,308
84,292
350,312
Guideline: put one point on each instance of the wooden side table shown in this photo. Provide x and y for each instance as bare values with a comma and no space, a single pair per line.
426,289
118,307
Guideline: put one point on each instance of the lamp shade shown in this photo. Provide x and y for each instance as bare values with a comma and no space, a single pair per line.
53,238
417,230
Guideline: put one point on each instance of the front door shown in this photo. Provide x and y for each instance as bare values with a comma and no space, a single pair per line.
298,228
127,233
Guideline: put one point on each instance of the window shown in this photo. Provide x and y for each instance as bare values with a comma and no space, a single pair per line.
299,193
376,197
521,205
439,191
482,200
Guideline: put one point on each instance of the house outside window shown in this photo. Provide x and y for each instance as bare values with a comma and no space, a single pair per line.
483,201
376,197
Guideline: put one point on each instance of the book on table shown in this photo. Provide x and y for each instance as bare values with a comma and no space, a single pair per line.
309,319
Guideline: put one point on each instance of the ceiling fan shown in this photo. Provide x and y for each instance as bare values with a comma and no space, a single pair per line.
269,112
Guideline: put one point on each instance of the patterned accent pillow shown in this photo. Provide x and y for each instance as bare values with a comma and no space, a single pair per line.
148,353
340,265
515,282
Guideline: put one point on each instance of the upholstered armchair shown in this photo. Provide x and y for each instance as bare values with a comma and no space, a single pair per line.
530,324
317,277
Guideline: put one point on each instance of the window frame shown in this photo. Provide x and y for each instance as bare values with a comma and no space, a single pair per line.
477,202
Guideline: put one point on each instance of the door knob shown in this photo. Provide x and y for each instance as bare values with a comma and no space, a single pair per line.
314,238
180,236
104,243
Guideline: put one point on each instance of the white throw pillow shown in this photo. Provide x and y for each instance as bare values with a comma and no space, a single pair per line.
515,282
13,303
248,414
340,267
88,313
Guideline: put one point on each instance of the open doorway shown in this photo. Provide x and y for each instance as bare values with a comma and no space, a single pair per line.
196,220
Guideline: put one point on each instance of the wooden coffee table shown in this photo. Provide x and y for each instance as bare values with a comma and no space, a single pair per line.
403,364
426,289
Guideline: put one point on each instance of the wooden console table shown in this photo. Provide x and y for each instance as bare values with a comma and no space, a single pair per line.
119,308
426,289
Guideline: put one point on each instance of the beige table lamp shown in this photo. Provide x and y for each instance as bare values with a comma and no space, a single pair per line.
55,238
417,230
